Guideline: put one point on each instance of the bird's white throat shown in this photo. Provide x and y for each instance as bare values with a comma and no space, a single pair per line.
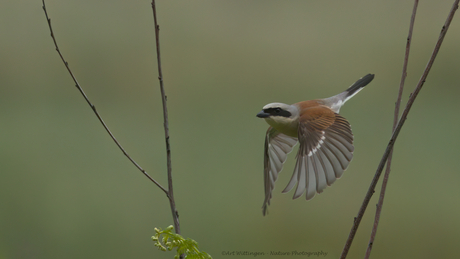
287,126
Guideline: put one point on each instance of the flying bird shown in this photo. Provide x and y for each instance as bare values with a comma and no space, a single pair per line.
325,137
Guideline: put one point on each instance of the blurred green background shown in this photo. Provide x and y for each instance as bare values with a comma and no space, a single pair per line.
68,192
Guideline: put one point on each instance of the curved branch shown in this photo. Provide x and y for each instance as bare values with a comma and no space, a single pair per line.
94,107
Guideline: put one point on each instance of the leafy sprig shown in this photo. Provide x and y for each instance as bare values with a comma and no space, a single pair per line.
168,240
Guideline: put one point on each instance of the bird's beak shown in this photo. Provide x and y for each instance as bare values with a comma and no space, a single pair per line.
263,114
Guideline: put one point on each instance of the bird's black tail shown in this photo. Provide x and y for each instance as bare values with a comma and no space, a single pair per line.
362,82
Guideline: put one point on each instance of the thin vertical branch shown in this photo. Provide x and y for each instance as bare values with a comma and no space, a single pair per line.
395,122
410,102
94,107
172,202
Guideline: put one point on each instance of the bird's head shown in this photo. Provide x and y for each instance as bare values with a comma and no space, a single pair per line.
280,116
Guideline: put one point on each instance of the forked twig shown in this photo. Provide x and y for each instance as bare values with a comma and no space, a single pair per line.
94,107
395,122
358,218
169,192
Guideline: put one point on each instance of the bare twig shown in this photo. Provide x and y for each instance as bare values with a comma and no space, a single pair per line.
395,122
94,107
358,218
169,192
172,203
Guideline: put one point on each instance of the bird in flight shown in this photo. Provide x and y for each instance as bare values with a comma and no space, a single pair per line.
325,137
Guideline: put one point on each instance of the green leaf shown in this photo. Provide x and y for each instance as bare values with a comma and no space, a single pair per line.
171,240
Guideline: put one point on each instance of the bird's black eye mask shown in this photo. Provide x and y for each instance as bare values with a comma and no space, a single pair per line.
278,112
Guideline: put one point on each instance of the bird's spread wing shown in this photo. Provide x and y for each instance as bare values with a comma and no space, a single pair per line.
277,146
326,149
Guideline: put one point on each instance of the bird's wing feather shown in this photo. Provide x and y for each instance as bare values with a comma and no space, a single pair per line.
326,149
277,146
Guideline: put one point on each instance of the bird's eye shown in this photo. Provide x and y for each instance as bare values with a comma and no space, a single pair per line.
278,110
